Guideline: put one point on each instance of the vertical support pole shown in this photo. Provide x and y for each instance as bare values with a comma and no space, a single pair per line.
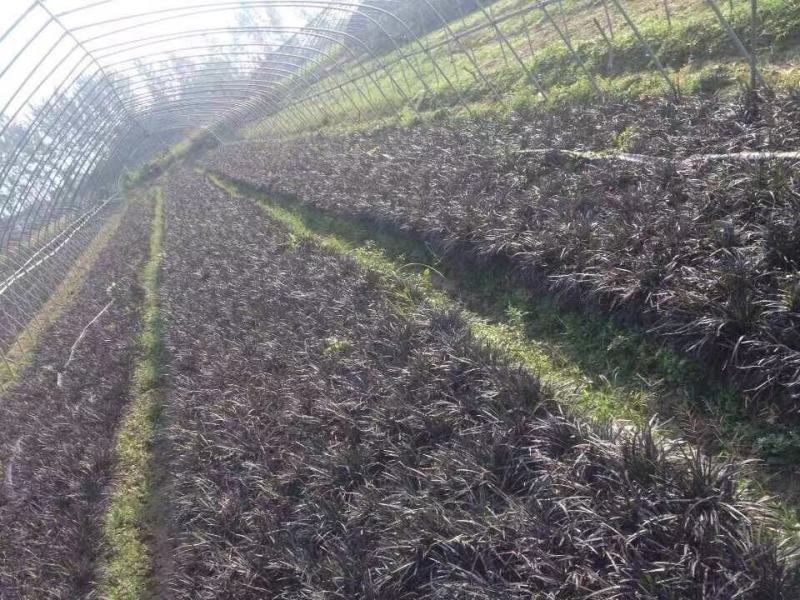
467,51
609,45
737,42
500,36
753,44
610,41
456,37
565,38
526,26
503,39
648,48
564,21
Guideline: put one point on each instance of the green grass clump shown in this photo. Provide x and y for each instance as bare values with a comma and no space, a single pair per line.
128,564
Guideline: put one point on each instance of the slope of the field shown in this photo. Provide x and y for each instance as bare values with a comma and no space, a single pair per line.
327,436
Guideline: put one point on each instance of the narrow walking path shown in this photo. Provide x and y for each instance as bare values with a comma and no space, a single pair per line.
129,521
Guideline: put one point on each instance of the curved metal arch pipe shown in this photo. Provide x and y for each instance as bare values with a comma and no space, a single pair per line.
359,90
181,10
80,43
268,93
332,5
44,162
91,135
57,136
315,60
284,76
65,169
351,57
319,33
65,200
88,104
83,58
41,115
330,35
99,66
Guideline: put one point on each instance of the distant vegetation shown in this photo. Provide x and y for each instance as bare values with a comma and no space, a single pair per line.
193,146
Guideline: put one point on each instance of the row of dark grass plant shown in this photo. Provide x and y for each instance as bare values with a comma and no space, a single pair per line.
58,423
330,439
656,380
704,253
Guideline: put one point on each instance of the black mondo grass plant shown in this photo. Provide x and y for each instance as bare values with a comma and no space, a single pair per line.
703,252
324,445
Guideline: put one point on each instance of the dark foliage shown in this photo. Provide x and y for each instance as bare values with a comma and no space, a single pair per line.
321,446
56,442
704,252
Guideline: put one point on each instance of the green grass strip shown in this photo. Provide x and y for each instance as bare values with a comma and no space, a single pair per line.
125,573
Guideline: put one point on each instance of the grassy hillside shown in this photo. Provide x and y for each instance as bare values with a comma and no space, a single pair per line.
478,71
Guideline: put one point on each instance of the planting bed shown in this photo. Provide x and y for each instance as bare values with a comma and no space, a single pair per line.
57,427
328,437
703,252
